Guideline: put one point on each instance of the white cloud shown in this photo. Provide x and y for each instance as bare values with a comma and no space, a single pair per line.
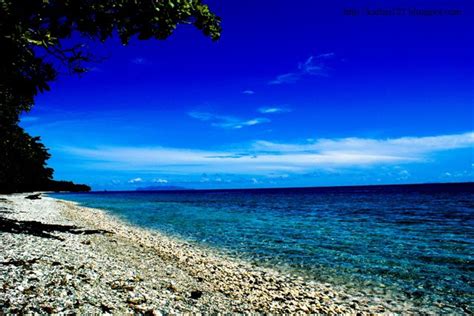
266,158
290,77
229,122
271,110
403,146
313,66
459,174
326,55
136,180
248,92
278,176
403,174
160,181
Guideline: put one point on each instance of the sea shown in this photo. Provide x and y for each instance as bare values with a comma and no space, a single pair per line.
398,242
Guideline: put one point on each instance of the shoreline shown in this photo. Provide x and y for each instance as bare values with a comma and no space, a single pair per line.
85,260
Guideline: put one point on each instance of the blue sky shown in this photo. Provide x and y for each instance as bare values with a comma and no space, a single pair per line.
291,95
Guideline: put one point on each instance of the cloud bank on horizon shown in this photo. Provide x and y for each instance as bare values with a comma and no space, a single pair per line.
264,157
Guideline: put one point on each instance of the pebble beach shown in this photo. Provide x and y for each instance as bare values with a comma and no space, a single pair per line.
58,257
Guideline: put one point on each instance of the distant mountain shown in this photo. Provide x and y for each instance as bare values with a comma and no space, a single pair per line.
162,188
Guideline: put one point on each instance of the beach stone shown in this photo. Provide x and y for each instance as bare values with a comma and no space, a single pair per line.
196,294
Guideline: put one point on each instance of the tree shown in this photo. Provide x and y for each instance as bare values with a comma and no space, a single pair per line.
32,35
22,161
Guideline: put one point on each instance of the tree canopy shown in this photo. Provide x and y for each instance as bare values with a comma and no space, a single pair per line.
32,36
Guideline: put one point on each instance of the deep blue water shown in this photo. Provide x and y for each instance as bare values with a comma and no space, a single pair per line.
416,241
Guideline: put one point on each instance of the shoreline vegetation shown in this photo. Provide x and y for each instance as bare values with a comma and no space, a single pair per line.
60,257
44,186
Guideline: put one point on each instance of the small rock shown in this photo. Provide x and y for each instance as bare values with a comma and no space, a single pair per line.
36,196
172,288
151,312
48,309
196,294
135,300
105,308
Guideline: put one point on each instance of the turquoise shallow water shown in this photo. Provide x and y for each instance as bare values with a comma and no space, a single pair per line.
415,241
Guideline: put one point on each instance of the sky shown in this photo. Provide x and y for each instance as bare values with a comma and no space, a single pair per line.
301,93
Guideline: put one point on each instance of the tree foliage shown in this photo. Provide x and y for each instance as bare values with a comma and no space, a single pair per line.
32,36
22,161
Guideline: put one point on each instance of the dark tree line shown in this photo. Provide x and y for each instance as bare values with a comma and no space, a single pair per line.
32,50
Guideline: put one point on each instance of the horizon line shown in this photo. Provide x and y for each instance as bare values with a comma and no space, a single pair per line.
289,188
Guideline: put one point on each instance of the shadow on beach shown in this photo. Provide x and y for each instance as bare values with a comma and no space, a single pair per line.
39,229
